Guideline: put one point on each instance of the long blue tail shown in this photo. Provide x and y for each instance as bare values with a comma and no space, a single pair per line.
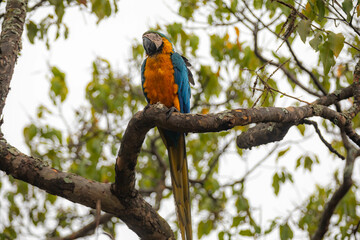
180,180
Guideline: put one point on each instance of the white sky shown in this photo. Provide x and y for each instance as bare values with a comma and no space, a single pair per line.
111,39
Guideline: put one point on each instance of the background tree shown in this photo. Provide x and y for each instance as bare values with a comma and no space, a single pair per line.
248,58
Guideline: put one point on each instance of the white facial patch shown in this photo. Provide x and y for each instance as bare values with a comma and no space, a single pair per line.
155,38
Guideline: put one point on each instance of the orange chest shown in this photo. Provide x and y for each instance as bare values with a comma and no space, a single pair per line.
159,84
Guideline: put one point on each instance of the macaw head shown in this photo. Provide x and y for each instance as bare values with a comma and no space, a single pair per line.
153,42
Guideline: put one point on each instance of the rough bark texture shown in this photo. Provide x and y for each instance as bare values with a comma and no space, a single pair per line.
269,132
10,44
262,133
137,213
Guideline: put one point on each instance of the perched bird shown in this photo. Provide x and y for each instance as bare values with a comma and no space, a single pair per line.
165,78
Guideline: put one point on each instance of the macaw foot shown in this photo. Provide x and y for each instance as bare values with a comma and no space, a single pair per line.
145,108
170,111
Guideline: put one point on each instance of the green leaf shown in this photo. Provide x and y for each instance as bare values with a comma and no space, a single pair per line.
326,57
59,9
58,88
221,235
336,42
94,147
32,31
271,228
9,233
194,43
187,8
304,28
347,6
308,163
41,110
321,7
234,4
237,220
209,80
174,30
246,232
51,198
315,42
217,47
30,132
281,153
298,162
241,204
301,129
101,8
275,183
204,228
258,4
286,232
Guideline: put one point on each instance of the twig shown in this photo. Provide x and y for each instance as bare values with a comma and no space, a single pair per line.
87,229
212,165
328,145
284,70
291,7
266,157
312,75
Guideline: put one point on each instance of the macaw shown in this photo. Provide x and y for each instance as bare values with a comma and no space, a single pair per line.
165,78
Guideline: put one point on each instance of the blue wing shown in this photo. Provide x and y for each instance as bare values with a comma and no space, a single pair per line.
182,80
143,78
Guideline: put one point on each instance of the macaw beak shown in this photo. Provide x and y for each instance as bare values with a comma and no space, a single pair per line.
149,46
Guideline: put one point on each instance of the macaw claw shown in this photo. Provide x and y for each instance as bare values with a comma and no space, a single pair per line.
170,111
145,108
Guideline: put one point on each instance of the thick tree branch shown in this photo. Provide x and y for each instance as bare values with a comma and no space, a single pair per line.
338,195
270,132
262,133
137,213
10,44
155,114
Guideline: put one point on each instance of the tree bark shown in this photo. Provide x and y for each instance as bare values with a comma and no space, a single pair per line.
136,212
10,44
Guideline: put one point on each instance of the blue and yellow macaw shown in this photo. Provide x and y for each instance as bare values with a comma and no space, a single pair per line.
165,79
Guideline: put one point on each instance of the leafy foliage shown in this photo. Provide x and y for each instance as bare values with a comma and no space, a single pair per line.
240,71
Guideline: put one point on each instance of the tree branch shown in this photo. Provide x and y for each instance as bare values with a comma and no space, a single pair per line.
137,214
262,133
301,66
143,121
87,229
10,44
328,145
338,195
284,70
128,204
